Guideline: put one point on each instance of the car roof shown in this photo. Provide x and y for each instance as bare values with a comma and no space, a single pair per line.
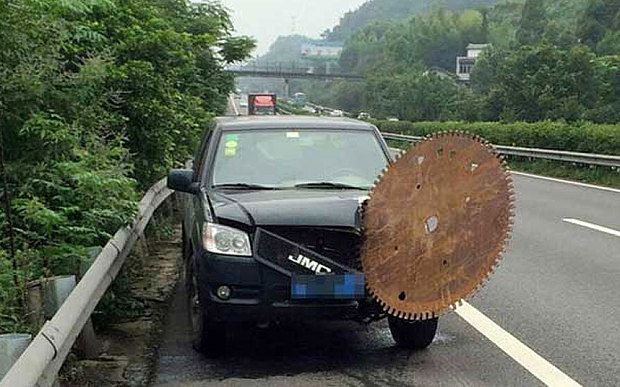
290,122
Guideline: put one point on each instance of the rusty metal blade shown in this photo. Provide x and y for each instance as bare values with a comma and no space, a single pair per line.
436,225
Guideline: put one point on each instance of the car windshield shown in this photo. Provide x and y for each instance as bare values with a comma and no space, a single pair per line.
303,159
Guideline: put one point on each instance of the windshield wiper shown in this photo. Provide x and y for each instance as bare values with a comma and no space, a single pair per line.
247,186
328,185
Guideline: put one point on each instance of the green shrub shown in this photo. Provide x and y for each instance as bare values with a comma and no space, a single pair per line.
581,137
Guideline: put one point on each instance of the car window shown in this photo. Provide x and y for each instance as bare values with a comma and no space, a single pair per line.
286,158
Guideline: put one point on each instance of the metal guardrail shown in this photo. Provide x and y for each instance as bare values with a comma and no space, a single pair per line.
547,154
231,101
39,364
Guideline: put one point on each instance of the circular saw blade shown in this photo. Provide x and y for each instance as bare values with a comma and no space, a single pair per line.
436,224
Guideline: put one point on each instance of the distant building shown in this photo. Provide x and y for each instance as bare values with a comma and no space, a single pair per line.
465,64
322,50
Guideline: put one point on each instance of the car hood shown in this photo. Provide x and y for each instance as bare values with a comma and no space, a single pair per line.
302,207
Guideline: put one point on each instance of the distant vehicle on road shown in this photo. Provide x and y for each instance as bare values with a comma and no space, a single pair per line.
337,113
363,116
271,227
262,104
393,119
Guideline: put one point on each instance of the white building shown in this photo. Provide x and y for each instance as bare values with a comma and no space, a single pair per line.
465,64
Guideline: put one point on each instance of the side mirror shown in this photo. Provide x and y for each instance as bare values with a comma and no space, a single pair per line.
183,180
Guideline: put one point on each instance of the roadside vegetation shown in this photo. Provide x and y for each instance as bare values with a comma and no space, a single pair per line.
582,137
98,99
549,60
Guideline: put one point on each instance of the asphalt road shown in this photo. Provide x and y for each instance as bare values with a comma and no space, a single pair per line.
557,291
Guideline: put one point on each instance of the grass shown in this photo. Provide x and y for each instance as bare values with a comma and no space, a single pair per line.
598,175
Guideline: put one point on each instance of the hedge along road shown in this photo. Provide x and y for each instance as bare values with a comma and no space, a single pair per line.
555,293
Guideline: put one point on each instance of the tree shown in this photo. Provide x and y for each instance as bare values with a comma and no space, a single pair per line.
533,23
600,21
98,99
536,83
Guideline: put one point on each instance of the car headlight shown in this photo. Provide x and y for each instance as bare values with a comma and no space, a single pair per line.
226,240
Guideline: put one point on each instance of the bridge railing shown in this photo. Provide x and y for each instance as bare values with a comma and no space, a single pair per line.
39,364
292,69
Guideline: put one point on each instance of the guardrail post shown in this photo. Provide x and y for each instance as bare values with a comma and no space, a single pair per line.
55,292
34,304
11,348
87,344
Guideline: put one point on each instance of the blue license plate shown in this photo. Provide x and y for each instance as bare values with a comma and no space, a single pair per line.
331,287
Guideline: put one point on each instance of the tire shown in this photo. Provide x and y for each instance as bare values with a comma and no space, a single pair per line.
186,249
186,260
209,337
416,335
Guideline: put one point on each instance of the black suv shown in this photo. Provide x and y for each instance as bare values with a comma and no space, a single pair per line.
271,228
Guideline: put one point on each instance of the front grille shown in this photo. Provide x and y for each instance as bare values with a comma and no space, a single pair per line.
340,245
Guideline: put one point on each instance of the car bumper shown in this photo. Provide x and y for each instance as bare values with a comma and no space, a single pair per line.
258,293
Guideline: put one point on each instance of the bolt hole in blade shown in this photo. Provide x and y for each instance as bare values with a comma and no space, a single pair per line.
431,224
419,186
445,263
402,296
440,152
473,167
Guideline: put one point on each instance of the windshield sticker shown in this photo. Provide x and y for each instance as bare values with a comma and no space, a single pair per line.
231,145
292,134
232,137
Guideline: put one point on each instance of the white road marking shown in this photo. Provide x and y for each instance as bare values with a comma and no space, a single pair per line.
592,226
521,353
567,182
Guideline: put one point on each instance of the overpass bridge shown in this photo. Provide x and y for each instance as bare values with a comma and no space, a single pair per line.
290,70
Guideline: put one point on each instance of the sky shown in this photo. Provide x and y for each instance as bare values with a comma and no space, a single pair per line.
265,20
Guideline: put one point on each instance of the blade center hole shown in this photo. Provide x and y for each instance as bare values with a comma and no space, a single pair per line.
431,224
402,296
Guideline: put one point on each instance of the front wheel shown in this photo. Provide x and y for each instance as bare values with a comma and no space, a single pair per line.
209,336
416,335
